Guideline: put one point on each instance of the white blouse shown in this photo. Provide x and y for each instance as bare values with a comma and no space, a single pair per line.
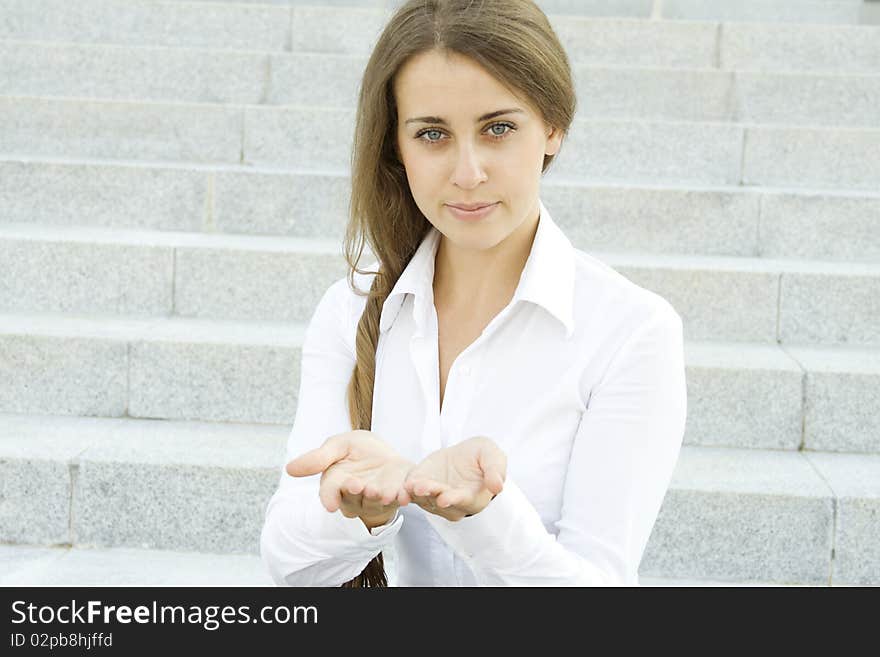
580,379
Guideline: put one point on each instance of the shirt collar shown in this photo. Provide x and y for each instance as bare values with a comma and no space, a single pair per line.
547,278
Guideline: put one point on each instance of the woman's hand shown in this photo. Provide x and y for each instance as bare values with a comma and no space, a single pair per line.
362,476
458,481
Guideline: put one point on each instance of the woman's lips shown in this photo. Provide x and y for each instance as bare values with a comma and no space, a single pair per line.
471,215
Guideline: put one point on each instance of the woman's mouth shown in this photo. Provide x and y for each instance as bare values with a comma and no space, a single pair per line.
471,215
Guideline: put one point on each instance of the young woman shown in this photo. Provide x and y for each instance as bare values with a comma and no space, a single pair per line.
500,407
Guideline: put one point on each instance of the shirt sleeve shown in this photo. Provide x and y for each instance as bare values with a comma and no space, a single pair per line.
302,544
622,460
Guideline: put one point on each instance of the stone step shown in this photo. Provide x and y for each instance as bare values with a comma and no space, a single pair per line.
34,565
27,565
797,11
763,11
86,270
739,394
217,76
296,138
620,33
730,221
795,517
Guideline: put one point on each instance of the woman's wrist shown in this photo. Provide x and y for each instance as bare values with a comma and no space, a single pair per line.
376,521
487,504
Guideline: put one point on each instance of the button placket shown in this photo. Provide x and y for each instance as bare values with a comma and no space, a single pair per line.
420,351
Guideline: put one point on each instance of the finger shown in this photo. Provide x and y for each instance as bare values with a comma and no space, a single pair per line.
371,492
353,485
452,498
331,497
403,497
428,488
389,495
494,482
493,463
319,459
372,506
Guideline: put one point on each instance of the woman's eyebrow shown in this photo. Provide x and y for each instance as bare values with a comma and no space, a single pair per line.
485,117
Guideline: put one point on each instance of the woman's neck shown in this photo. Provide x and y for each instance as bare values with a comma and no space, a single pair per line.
467,278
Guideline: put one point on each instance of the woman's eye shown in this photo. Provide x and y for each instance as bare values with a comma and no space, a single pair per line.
493,134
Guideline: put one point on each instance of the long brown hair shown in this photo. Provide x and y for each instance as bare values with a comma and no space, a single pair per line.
513,41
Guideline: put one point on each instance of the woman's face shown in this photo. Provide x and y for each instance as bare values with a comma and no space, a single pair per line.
466,159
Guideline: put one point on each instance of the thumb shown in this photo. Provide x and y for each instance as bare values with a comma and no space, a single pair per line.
319,459
493,463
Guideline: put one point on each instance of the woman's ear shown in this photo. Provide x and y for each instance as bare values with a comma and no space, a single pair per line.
554,140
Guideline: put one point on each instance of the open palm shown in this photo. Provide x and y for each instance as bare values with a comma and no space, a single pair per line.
362,475
460,480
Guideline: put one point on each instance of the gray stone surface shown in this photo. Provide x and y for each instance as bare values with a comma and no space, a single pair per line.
855,480
581,7
126,130
655,220
111,195
27,566
67,375
836,305
165,368
654,94
348,31
171,507
786,11
796,99
37,471
95,270
315,79
626,42
231,377
254,285
792,47
332,80
746,155
650,151
842,398
299,138
812,158
203,486
667,582
191,487
718,298
148,23
820,226
132,73
743,515
70,271
742,395
627,217
141,483
34,500
303,205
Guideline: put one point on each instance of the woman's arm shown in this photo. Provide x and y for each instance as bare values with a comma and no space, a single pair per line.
622,461
302,544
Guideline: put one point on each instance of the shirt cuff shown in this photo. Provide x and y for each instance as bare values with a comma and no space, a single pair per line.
351,537
502,535
378,531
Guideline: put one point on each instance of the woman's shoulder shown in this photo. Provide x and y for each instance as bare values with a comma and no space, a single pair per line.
341,306
601,290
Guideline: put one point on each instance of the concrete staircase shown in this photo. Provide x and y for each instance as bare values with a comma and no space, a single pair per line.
173,192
